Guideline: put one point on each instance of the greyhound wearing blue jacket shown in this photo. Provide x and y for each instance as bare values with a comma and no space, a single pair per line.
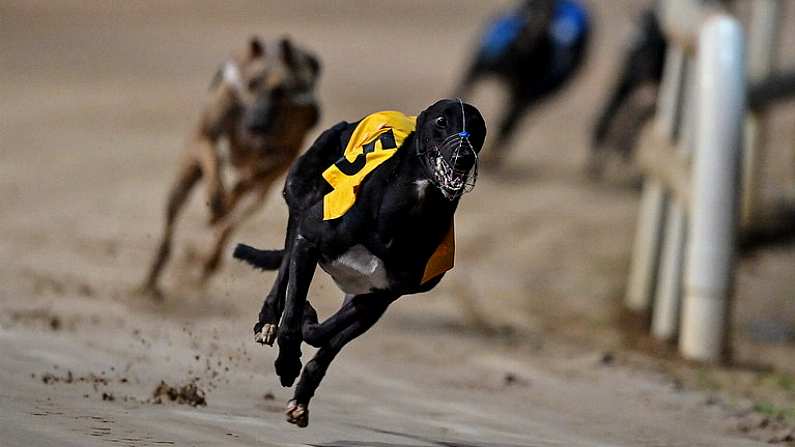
534,49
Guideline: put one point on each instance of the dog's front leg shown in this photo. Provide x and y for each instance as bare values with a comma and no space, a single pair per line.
211,170
238,211
273,307
268,322
302,264
177,198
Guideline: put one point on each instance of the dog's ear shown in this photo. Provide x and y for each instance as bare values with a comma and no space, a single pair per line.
421,118
255,47
288,52
418,131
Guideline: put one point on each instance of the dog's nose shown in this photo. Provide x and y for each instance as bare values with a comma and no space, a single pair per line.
259,118
464,161
258,126
259,121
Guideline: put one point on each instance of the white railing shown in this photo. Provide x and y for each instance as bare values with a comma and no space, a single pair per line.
682,271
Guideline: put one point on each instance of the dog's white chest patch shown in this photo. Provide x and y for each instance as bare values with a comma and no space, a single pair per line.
422,188
231,75
357,271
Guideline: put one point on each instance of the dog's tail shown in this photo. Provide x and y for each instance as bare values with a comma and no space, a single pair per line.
261,259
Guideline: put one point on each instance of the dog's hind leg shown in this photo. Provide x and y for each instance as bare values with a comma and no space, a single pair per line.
367,309
620,93
640,111
625,129
318,334
190,174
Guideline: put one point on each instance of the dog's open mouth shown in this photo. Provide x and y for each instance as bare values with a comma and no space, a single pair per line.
447,174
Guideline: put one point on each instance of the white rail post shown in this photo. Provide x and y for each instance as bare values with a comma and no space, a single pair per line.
651,216
645,249
665,318
714,206
762,43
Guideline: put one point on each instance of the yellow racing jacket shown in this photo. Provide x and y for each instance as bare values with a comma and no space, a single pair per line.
376,138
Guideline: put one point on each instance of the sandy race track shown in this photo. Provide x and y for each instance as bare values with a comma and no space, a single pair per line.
96,101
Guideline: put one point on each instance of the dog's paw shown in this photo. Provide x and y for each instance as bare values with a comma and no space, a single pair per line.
287,366
149,291
265,333
297,414
288,363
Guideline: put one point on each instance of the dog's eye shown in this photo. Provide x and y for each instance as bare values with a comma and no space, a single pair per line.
440,122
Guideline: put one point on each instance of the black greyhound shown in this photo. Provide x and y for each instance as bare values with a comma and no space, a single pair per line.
624,114
534,49
379,232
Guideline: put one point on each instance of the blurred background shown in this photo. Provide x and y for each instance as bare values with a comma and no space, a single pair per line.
97,101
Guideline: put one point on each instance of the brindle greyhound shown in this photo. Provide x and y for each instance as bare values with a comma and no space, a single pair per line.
262,103
379,249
